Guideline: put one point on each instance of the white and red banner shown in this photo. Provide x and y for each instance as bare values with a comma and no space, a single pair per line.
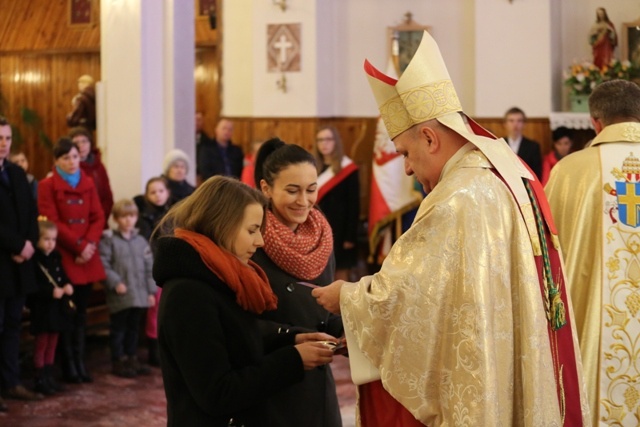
328,179
392,193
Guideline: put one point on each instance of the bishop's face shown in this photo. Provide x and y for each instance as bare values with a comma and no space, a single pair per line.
418,160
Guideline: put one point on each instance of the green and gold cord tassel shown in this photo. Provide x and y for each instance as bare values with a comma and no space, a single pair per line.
555,306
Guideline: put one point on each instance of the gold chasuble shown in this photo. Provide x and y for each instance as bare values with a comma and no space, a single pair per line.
595,198
468,321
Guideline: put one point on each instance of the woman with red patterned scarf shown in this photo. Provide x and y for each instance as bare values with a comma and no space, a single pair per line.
297,254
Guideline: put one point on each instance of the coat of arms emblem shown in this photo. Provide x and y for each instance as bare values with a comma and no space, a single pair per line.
627,192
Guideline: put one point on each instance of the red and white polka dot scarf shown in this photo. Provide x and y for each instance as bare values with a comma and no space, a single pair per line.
303,253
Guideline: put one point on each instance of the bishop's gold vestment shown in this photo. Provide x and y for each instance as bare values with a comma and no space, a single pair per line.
454,320
595,200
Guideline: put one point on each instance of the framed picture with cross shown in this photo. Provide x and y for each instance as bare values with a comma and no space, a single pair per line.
283,48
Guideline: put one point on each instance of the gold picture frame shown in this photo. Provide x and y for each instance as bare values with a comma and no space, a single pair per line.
630,36
403,41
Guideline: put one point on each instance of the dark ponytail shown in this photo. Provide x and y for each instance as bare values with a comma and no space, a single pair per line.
275,155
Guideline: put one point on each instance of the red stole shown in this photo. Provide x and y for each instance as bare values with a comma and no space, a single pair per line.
561,340
330,184
379,409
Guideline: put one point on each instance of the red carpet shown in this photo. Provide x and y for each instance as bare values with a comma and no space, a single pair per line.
118,402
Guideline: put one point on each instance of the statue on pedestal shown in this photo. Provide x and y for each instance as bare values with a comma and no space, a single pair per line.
84,105
603,39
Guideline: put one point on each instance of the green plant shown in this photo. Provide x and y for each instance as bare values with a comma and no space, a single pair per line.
32,120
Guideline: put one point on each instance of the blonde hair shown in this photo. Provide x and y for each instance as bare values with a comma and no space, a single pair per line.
336,154
215,210
45,225
124,207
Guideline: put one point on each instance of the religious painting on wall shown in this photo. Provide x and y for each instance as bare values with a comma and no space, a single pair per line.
206,7
631,42
80,12
283,48
404,40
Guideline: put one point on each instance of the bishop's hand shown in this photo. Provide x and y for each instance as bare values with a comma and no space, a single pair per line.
329,296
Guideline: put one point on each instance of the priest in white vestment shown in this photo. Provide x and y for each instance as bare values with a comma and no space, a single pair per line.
595,198
468,322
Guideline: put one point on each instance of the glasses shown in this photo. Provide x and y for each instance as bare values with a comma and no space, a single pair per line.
329,138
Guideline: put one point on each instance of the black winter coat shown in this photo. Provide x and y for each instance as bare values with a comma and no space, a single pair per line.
314,402
18,223
210,161
215,359
341,207
49,314
149,216
179,190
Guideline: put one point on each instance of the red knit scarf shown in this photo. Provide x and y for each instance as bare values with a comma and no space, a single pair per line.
303,253
249,282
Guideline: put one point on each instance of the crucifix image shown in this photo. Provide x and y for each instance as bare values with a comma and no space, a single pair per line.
282,45
283,48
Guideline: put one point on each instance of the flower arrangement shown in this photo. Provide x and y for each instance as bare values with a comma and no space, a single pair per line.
583,78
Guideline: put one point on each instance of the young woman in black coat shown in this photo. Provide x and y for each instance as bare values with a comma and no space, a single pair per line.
219,365
298,254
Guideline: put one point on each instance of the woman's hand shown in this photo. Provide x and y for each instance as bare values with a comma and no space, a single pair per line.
88,251
314,337
57,293
314,354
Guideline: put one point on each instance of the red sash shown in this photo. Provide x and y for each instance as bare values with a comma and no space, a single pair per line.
336,179
561,340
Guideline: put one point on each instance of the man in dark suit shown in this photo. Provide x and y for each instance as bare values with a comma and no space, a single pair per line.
201,135
528,150
219,156
18,238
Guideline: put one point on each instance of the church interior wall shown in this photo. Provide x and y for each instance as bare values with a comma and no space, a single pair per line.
41,58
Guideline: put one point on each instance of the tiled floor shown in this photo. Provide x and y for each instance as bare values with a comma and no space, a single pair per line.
118,402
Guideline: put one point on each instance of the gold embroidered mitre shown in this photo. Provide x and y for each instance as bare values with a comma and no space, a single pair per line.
424,91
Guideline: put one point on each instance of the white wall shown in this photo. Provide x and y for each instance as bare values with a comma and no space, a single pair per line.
499,53
237,57
363,35
513,63
300,100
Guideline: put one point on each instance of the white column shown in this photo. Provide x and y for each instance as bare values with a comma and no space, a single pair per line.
147,107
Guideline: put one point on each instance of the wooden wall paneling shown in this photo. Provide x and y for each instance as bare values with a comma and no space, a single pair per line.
44,84
358,136
21,82
43,25
207,80
205,35
538,129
